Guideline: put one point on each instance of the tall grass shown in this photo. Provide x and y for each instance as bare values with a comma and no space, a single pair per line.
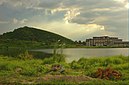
33,68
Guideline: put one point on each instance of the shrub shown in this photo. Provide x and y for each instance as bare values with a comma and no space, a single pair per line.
48,61
75,65
3,66
7,66
29,71
41,69
25,56
117,61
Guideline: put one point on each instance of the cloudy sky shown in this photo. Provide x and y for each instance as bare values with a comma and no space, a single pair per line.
75,19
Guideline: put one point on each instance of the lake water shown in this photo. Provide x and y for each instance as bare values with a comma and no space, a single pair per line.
77,53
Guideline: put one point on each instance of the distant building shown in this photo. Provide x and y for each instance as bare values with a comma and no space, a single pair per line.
106,41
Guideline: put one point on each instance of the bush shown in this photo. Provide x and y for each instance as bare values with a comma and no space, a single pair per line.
7,66
25,56
29,71
48,61
75,65
41,69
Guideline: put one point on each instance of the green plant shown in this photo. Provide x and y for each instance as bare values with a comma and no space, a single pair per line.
59,58
29,71
75,65
25,56
48,61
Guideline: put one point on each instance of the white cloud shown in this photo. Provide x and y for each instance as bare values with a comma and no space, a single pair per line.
23,21
71,14
124,2
16,21
58,10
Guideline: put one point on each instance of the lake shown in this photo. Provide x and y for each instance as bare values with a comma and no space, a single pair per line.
77,53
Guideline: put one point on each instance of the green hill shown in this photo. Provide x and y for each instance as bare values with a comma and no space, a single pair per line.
31,35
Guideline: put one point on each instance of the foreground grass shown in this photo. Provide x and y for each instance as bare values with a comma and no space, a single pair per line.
36,71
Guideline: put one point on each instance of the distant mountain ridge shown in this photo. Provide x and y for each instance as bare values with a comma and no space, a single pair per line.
33,34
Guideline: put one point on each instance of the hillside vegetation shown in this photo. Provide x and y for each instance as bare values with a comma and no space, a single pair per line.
31,37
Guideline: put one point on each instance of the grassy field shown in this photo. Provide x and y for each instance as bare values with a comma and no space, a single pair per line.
24,69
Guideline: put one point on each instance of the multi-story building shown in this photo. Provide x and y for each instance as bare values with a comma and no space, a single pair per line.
106,41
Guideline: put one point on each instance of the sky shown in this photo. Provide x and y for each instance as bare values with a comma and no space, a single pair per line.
74,19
